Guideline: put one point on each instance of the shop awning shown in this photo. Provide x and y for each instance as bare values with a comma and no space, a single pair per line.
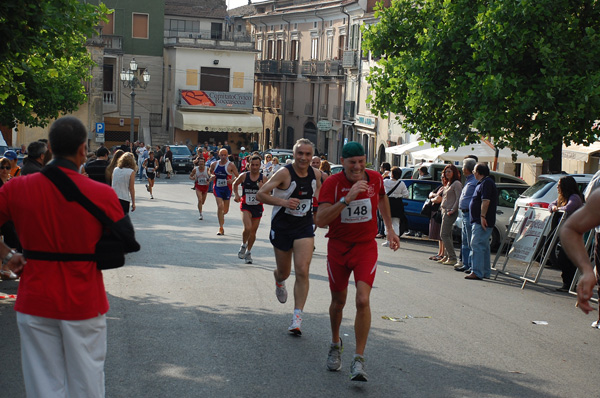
580,152
215,121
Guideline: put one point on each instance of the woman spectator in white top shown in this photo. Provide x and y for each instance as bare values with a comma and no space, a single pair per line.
398,190
123,181
449,208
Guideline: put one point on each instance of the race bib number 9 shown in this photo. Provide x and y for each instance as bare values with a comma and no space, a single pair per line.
251,199
221,183
303,207
357,211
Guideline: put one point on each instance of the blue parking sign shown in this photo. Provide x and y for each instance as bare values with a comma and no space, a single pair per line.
100,128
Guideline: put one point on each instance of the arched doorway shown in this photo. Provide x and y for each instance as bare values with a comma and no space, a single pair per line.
267,138
289,140
310,132
381,155
277,134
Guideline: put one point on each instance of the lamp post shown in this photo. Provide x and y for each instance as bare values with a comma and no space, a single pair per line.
131,79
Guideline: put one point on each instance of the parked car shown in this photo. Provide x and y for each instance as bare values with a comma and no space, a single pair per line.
436,169
282,154
508,194
544,191
418,192
182,158
336,168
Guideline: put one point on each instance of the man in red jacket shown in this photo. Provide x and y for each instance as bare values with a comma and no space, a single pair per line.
61,305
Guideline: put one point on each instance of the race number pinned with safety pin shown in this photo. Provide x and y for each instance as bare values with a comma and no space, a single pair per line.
251,199
300,211
357,211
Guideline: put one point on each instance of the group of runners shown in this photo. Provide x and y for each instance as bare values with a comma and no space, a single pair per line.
347,206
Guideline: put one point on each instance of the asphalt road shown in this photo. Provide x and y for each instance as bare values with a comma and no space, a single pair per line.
189,319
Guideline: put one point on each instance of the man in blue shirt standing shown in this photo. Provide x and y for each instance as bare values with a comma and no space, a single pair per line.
483,218
463,206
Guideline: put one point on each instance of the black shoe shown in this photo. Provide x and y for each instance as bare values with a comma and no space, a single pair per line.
461,269
563,289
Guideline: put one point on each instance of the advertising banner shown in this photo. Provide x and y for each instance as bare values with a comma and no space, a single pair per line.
218,99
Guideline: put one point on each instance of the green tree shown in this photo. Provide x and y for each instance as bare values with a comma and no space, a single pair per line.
44,61
524,73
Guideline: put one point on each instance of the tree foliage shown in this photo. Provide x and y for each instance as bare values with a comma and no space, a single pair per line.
44,61
524,73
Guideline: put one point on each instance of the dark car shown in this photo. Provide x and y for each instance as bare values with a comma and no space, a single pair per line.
418,192
182,158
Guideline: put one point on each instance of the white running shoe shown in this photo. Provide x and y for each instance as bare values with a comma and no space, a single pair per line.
201,217
248,258
385,244
242,251
295,326
281,292
334,358
357,369
596,325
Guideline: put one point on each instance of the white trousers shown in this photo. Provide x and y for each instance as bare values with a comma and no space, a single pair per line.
395,226
63,359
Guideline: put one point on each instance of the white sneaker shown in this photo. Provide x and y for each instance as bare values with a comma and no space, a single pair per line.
242,251
201,217
295,326
281,292
596,325
248,258
385,244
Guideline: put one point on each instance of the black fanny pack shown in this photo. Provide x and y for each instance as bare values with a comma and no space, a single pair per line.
118,238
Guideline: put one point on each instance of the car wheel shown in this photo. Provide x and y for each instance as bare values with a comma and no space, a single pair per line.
495,240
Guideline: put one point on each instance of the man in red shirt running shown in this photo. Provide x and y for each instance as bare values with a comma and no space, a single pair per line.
348,204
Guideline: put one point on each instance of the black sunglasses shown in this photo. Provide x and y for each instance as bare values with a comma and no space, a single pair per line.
5,167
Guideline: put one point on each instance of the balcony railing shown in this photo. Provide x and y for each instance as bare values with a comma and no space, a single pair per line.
323,110
210,35
276,67
308,109
109,97
330,68
112,43
336,113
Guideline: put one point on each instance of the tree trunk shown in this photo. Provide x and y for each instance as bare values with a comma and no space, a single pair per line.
554,164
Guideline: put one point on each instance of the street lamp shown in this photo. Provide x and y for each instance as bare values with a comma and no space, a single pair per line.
130,79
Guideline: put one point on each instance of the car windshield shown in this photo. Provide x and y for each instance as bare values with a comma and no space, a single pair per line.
539,189
508,196
181,151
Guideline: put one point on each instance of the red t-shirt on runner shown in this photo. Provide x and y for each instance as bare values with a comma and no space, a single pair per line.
358,221
45,221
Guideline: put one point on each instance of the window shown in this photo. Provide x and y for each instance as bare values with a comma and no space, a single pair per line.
239,28
341,41
259,47
140,26
295,26
354,37
279,49
329,54
314,48
269,49
216,31
214,79
294,50
108,28
315,25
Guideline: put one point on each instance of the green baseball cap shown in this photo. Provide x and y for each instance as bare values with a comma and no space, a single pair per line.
352,149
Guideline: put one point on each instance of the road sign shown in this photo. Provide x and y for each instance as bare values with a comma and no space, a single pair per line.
324,125
99,132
